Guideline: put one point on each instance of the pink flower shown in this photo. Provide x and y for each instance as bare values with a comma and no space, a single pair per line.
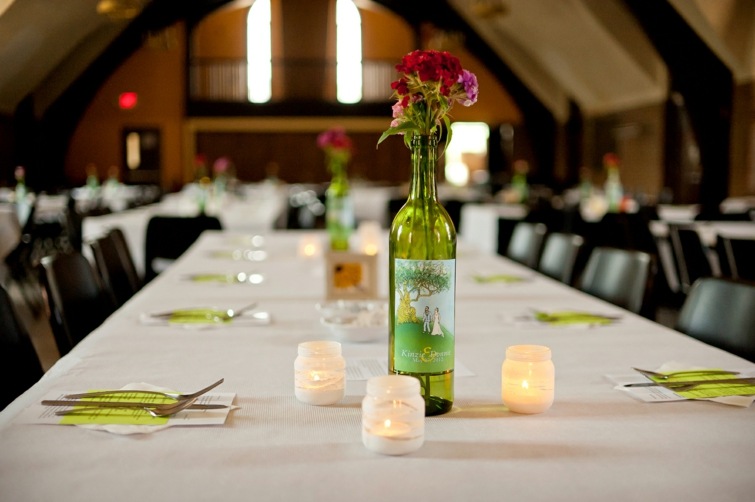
221,165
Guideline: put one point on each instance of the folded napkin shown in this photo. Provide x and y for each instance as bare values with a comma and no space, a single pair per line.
132,421
204,317
497,278
565,319
719,393
236,278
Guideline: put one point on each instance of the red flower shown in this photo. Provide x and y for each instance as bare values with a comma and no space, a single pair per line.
429,84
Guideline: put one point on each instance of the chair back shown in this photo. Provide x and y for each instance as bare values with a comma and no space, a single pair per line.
115,265
168,237
619,276
526,243
721,312
690,256
20,367
737,257
77,301
560,256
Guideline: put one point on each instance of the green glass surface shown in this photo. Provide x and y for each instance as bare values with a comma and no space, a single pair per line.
422,230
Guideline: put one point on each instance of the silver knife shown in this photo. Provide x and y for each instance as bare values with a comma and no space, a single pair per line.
679,383
125,404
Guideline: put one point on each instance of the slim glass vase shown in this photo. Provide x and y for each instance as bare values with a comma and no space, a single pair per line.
339,211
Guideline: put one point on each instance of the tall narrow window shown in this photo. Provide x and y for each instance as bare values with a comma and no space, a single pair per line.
348,52
259,54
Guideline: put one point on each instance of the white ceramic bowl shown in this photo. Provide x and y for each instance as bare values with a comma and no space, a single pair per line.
357,321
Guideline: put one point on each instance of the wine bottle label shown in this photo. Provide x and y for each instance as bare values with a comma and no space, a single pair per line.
424,315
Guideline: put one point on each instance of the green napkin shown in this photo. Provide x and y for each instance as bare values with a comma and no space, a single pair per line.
221,278
199,316
120,416
707,391
572,317
505,278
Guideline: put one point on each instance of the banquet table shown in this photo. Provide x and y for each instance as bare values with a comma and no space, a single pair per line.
595,443
257,210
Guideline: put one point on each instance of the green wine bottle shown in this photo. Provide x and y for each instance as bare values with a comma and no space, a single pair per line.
422,264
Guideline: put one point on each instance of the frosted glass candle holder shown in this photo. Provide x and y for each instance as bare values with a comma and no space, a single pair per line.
393,415
527,379
319,373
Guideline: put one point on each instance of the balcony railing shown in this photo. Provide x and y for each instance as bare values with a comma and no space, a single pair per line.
226,80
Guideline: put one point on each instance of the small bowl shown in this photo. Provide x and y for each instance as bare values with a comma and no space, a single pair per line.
364,323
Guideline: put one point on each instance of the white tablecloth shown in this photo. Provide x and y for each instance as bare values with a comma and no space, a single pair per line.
595,443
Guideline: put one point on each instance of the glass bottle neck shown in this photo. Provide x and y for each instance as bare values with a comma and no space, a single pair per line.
424,160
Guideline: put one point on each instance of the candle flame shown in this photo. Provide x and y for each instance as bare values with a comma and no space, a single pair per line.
370,249
525,385
309,249
315,376
387,423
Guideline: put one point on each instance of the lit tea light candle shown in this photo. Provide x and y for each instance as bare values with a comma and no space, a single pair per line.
309,246
393,415
527,379
319,373
369,237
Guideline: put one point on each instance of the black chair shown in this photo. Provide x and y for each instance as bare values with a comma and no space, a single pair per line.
526,243
77,300
690,255
721,312
737,257
559,256
506,228
169,236
115,265
620,276
20,367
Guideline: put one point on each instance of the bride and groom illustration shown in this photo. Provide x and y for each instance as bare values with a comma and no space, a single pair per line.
433,319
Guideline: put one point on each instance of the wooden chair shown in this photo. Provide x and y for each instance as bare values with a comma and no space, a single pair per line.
526,243
169,236
20,367
721,312
115,265
559,256
622,277
77,300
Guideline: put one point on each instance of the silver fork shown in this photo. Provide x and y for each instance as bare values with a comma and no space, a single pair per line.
173,395
666,376
157,410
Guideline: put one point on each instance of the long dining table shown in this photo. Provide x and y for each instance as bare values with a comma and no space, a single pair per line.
597,441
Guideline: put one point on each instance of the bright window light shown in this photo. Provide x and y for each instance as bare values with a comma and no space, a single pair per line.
348,52
259,54
469,145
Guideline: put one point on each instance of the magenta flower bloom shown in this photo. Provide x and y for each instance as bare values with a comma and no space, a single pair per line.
469,81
